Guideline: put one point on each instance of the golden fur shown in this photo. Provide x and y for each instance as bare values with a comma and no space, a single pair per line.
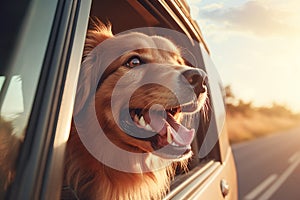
86,176
9,147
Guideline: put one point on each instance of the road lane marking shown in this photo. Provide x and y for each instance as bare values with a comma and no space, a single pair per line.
280,180
294,156
261,187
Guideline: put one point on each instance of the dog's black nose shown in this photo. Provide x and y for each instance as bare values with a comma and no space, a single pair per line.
197,79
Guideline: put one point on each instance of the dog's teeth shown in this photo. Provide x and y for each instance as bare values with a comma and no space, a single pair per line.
174,144
169,136
148,127
142,121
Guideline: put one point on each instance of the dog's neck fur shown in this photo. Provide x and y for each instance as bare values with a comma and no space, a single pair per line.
98,181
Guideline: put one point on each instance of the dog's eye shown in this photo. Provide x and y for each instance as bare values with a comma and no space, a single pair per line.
133,62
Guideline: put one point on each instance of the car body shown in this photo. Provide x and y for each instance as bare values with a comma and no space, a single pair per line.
41,49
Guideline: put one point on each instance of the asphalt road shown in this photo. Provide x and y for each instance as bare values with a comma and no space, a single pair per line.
269,167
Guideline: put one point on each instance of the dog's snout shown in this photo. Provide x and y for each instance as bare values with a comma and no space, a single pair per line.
197,79
193,77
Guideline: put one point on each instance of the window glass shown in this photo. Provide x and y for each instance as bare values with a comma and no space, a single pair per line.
13,106
19,76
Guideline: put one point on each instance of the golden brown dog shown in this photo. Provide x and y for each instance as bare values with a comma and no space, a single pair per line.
140,100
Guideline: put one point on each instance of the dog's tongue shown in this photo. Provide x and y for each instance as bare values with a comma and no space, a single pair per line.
181,135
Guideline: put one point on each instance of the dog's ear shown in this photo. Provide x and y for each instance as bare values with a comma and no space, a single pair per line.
96,35
90,66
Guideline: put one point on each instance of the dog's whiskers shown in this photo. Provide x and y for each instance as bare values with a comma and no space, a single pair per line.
205,108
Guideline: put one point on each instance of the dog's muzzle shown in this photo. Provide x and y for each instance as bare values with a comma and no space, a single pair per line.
162,127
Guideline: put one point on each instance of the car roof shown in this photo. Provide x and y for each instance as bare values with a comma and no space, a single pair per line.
140,13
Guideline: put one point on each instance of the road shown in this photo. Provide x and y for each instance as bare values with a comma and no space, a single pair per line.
269,167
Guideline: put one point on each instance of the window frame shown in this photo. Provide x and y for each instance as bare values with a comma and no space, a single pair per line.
40,163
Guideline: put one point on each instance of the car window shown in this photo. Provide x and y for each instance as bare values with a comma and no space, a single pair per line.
154,18
19,76
158,20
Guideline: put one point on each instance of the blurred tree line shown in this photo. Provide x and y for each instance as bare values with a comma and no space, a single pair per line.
235,105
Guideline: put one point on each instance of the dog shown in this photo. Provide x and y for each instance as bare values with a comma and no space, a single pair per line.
145,91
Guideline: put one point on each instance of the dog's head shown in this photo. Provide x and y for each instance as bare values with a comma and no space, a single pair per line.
145,92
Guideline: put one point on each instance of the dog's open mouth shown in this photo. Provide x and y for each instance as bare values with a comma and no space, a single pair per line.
167,127
161,127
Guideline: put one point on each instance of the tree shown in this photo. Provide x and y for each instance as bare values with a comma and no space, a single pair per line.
230,97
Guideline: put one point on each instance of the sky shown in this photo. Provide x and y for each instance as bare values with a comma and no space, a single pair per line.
255,45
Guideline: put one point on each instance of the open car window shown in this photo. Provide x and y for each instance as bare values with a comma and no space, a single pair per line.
160,18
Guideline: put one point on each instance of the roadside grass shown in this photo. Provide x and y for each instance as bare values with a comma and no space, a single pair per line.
241,127
246,122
